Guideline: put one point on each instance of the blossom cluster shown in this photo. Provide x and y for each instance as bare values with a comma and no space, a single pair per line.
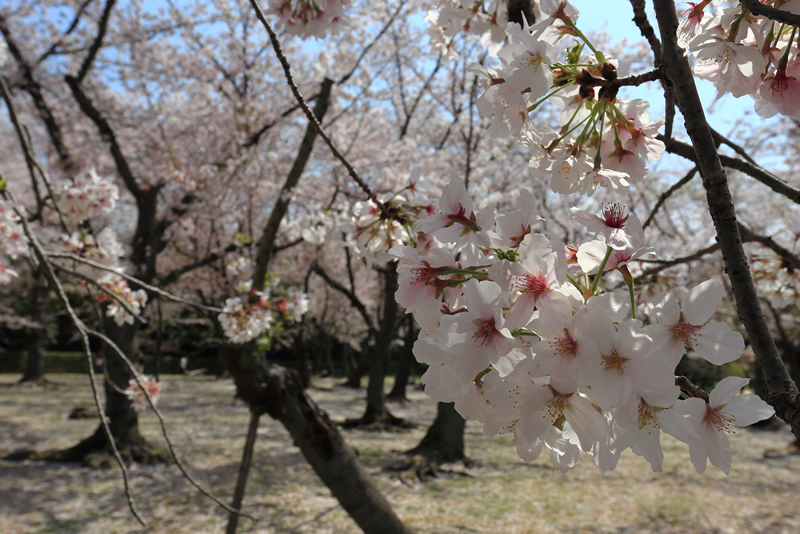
519,333
483,17
602,140
308,18
87,197
103,248
245,321
13,241
138,396
743,54
372,231
118,286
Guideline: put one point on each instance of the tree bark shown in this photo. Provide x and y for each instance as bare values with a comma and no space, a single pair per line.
407,360
123,420
444,441
376,399
278,392
34,367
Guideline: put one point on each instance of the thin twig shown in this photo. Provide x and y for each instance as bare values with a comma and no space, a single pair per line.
690,389
309,114
685,150
30,157
372,43
132,368
119,300
668,193
135,280
778,15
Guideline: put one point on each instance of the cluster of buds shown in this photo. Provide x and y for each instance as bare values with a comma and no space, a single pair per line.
245,321
519,333
743,54
138,396
13,241
308,18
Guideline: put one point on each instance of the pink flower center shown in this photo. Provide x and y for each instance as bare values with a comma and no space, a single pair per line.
647,417
566,347
719,420
535,285
685,332
426,274
485,332
779,83
614,361
615,216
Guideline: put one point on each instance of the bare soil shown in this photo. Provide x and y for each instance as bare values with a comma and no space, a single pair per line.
499,493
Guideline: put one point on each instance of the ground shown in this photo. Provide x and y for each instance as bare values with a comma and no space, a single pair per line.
498,494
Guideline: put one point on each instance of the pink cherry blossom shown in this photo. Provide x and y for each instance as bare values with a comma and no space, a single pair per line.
686,325
723,414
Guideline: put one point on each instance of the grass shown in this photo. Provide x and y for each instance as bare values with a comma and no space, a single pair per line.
500,493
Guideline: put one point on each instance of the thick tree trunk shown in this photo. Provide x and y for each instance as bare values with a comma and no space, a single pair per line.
362,367
123,419
444,441
278,392
34,368
407,360
376,398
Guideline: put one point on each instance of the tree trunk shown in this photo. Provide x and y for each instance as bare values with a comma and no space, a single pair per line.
376,399
34,368
362,367
123,419
444,441
278,392
407,360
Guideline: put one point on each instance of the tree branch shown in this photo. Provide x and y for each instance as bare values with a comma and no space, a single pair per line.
686,150
668,193
267,240
757,8
783,393
102,27
290,80
351,296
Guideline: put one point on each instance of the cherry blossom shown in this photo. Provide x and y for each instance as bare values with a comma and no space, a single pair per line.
723,414
687,325
138,396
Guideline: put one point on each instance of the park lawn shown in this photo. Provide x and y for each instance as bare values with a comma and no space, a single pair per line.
500,493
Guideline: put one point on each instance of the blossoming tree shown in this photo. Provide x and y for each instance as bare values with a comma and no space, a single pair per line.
568,339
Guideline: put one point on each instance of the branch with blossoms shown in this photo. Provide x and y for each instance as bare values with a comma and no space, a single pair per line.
521,334
783,395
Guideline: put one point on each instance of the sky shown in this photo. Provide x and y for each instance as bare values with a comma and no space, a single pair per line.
615,18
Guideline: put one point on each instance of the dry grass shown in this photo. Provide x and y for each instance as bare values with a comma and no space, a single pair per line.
500,494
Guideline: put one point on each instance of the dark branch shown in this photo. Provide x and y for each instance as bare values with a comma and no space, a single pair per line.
685,150
102,27
351,296
778,15
783,393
